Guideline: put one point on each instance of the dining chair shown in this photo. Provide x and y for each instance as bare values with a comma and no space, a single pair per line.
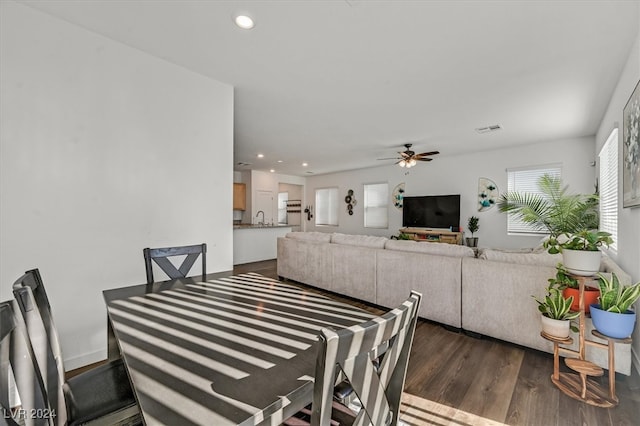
17,361
373,357
161,257
102,393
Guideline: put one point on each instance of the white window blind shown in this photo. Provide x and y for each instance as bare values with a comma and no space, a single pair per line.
609,187
376,200
526,180
327,206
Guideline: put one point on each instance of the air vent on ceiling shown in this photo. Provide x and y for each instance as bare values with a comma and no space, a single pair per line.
242,163
487,129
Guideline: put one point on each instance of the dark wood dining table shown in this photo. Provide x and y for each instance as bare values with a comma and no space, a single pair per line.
228,350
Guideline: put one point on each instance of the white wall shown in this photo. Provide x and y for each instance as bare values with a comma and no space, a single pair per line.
105,150
628,256
459,175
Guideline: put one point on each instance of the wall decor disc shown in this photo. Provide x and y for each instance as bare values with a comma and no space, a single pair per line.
397,196
487,194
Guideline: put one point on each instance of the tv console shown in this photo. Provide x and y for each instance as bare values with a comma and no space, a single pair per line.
433,235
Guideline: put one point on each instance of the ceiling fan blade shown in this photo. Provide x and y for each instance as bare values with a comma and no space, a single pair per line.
424,159
390,158
424,154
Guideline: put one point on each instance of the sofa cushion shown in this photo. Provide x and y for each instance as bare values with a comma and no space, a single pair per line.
438,249
359,240
321,237
532,258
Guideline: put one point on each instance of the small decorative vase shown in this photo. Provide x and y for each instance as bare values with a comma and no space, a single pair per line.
472,242
556,328
590,297
581,262
613,324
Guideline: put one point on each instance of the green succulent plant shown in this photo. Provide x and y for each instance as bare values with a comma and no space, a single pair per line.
555,306
615,297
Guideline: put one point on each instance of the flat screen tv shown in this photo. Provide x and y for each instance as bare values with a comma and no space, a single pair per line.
431,211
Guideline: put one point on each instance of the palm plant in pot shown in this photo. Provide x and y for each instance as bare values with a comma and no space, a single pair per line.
473,226
552,209
570,288
556,313
613,316
581,250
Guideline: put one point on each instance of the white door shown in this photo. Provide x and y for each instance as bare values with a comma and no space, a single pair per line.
264,202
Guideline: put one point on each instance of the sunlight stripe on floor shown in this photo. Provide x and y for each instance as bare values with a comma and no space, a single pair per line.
416,411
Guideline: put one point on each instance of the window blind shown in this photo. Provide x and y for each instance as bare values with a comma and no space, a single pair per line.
327,206
609,187
376,201
526,180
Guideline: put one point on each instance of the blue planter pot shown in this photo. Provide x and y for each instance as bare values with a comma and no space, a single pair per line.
613,324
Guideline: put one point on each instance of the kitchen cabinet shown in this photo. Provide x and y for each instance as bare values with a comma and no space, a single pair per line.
239,196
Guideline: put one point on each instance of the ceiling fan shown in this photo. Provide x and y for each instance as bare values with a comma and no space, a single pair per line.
409,158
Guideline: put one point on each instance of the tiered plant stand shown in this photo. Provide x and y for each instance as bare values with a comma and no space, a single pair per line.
578,385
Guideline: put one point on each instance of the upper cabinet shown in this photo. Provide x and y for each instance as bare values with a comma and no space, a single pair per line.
239,196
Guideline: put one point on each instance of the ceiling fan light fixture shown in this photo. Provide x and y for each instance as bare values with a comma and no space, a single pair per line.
403,163
412,162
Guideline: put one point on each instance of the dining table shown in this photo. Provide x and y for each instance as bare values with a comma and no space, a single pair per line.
224,350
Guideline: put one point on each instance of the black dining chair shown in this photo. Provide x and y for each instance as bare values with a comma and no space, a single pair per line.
17,361
373,358
161,257
102,393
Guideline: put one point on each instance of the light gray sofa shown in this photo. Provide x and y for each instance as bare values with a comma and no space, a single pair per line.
489,295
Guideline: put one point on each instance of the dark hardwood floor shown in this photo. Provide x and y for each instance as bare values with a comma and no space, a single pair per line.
455,379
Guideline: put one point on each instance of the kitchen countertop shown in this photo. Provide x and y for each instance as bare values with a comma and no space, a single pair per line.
255,226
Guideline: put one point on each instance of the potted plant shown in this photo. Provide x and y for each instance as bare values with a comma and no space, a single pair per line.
552,209
570,288
613,316
581,250
473,226
556,314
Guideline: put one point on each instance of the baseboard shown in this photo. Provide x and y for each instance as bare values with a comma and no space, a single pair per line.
86,359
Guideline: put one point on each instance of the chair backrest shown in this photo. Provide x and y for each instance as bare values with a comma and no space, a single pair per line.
17,357
160,257
45,347
33,280
351,351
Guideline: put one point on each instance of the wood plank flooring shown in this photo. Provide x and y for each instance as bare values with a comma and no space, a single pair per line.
455,379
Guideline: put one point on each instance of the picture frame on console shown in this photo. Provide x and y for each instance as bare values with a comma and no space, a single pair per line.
631,150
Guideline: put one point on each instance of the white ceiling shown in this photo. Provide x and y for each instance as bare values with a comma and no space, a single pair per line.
339,84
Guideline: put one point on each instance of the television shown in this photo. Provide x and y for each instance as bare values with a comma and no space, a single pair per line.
431,211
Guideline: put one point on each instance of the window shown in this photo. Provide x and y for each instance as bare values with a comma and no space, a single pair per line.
609,187
526,180
376,200
327,206
283,197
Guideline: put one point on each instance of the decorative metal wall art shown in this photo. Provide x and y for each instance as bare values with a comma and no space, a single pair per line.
397,196
631,150
351,201
487,194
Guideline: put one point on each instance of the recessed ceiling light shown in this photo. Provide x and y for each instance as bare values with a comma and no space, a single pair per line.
305,164
244,21
279,161
272,171
260,155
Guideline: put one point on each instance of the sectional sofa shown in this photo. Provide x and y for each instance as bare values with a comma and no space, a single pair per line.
488,293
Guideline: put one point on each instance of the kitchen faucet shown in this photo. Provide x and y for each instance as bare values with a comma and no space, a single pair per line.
258,214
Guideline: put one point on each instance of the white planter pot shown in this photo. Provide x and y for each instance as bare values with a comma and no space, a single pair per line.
556,328
580,262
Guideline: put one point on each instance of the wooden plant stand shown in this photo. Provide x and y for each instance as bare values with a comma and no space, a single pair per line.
578,385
